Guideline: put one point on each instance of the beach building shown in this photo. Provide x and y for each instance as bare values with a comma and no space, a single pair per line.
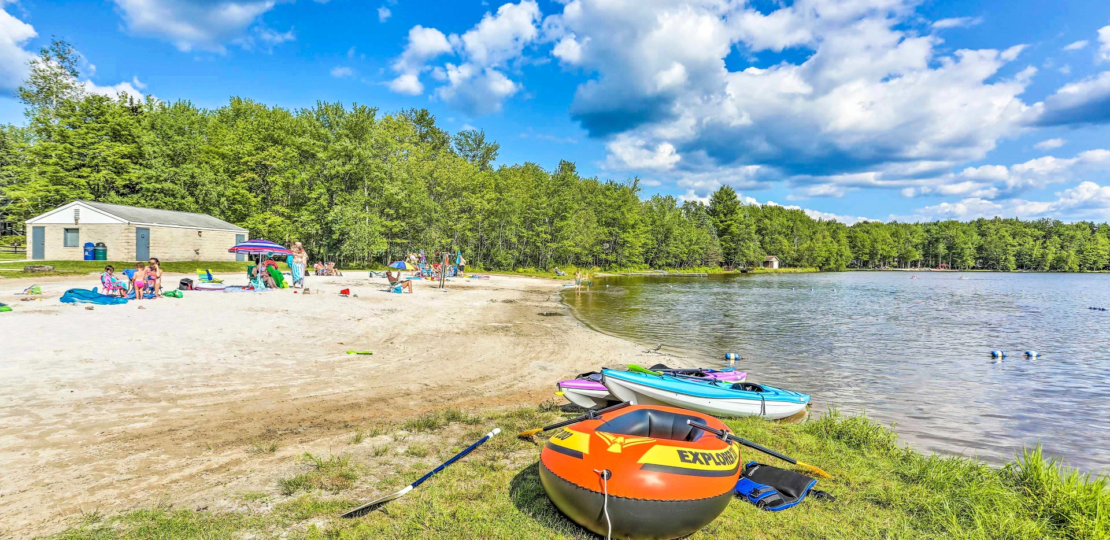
771,261
130,234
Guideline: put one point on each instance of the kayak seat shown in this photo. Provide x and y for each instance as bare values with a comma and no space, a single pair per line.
748,387
655,424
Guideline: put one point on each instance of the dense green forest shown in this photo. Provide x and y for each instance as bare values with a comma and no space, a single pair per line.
356,185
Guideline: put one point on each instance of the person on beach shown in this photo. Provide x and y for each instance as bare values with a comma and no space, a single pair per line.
154,273
298,264
140,281
395,281
112,285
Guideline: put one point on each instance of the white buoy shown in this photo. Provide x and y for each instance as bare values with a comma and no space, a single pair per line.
732,356
1032,354
998,354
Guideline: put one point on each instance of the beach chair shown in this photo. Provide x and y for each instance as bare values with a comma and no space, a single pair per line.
205,276
255,282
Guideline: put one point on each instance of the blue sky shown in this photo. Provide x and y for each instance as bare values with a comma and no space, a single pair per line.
880,109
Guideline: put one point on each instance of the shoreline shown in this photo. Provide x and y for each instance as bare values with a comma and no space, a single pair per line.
230,436
121,407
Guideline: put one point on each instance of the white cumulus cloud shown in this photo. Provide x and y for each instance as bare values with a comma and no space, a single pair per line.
1087,200
341,71
1050,144
873,105
477,84
200,24
125,87
423,45
1078,45
14,35
958,22
1083,102
1104,43
384,14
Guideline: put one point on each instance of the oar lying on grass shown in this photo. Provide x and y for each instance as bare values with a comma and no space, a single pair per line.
364,509
733,438
588,416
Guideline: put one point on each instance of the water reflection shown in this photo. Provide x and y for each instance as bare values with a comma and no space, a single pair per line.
913,352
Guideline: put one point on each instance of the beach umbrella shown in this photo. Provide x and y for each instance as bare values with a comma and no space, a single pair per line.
260,247
402,265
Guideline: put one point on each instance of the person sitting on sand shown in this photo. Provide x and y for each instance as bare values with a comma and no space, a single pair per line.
318,268
559,272
395,281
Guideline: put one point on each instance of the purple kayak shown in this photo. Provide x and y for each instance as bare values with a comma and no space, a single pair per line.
588,393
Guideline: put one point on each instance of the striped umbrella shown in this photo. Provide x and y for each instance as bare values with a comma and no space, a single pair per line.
259,247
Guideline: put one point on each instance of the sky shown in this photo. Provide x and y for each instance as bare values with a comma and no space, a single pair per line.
850,109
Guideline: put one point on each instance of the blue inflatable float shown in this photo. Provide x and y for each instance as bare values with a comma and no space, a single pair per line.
85,296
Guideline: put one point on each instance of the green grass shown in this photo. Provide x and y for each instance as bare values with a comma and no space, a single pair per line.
332,473
882,491
187,267
783,270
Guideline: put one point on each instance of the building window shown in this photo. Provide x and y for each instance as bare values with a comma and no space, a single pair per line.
71,238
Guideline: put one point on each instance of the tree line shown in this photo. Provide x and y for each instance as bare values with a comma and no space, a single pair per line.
358,186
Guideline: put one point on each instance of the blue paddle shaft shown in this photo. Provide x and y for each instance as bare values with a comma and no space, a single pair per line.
457,457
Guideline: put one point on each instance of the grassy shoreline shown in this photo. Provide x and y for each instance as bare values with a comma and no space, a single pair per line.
882,490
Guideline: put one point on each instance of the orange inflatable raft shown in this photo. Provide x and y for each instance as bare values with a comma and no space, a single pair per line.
664,479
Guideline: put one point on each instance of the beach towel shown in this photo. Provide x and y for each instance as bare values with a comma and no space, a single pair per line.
279,280
296,271
111,284
85,296
148,294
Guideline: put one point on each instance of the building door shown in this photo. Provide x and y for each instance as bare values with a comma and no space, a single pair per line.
38,243
142,244
239,239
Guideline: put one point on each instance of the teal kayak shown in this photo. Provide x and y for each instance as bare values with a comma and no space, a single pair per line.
711,397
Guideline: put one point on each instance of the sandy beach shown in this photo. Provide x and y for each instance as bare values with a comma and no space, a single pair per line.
120,407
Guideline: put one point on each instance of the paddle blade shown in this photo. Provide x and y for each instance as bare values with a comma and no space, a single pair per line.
366,508
813,469
529,434
638,369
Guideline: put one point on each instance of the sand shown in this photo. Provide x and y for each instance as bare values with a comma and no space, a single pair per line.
119,407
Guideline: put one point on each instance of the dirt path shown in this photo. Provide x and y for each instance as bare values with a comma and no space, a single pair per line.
120,407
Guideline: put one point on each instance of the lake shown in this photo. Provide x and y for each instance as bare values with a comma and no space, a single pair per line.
912,349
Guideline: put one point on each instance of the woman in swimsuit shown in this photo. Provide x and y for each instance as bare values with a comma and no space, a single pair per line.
155,276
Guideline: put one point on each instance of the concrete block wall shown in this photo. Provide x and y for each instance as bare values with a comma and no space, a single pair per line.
176,244
166,243
115,236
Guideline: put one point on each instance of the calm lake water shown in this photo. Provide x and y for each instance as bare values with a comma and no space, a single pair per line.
913,352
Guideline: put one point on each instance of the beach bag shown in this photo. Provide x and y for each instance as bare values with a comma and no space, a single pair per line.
774,489
173,294
185,284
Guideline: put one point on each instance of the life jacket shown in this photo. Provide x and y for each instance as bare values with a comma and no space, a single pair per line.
771,488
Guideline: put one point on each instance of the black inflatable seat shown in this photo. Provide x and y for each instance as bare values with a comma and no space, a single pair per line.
654,424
